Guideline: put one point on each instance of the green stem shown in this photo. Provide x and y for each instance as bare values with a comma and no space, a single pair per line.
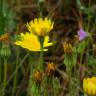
70,82
69,69
5,75
40,66
39,7
30,76
89,16
41,55
2,23
0,74
19,66
0,70
15,77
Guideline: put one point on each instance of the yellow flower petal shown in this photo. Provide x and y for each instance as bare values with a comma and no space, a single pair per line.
89,86
31,42
46,40
40,26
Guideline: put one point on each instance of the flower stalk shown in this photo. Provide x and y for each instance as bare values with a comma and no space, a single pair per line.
15,76
5,76
2,23
40,66
30,76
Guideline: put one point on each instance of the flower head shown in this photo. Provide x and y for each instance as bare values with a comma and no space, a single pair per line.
67,47
40,26
82,34
38,76
4,38
89,86
50,68
31,42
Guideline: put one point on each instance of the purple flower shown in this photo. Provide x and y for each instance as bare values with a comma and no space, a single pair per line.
82,34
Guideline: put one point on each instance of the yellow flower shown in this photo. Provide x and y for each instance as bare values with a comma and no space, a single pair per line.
31,42
40,26
89,86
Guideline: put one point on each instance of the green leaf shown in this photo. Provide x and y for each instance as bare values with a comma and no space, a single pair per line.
91,61
81,47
